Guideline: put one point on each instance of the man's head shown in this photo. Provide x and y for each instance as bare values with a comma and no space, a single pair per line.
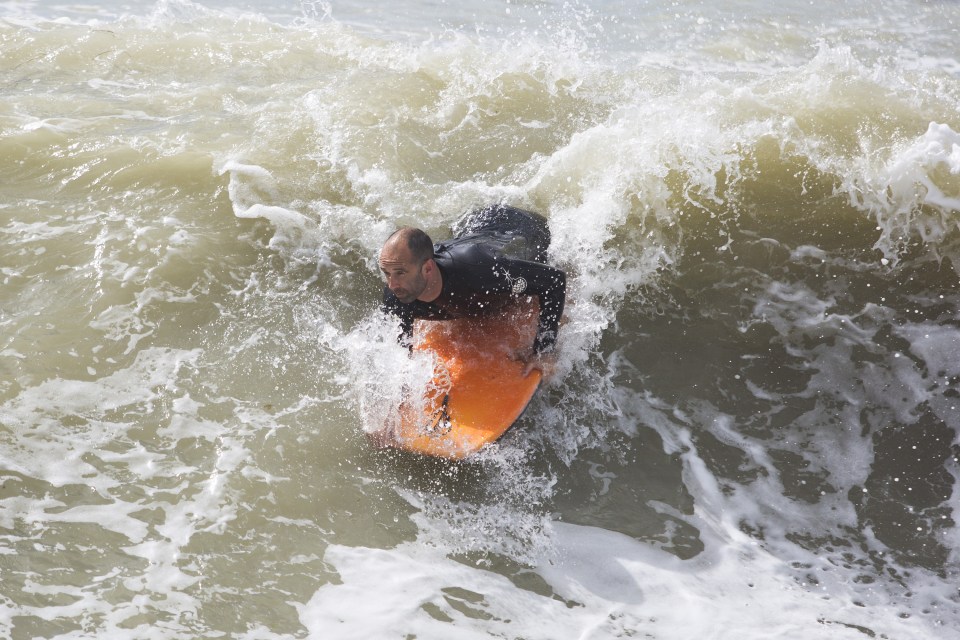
406,261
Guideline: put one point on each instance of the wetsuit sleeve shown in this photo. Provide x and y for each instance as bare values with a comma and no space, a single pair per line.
403,312
549,285
407,313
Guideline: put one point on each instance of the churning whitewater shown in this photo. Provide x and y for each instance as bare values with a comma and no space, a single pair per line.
752,431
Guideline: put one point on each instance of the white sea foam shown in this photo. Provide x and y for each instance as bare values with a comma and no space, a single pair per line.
596,584
190,356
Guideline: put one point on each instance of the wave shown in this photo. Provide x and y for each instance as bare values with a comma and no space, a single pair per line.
755,394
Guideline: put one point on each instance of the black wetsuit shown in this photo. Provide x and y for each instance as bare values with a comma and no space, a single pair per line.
497,256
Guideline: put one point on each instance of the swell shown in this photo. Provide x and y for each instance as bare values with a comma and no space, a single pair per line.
763,282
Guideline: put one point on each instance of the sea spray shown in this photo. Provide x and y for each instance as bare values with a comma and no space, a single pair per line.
752,428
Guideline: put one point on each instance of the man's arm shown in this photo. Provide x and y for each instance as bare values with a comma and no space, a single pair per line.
549,284
407,313
403,312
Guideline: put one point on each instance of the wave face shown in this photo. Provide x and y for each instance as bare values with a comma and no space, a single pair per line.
753,428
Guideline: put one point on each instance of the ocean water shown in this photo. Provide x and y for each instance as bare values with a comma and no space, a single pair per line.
752,431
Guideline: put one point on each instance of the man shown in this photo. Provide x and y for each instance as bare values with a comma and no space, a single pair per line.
497,256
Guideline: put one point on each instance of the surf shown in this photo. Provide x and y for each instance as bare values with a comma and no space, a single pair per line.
753,423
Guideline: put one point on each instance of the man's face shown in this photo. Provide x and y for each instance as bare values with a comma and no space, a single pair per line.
404,275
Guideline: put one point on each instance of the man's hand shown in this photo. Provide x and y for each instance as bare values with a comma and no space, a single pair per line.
545,363
383,438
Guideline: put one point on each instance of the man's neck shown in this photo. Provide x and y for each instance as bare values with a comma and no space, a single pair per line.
434,286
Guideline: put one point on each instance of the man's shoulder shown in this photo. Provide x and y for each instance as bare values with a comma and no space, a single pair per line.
390,301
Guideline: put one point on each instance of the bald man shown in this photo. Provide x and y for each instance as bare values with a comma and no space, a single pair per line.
497,257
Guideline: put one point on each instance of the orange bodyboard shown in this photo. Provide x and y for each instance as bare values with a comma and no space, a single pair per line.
478,388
